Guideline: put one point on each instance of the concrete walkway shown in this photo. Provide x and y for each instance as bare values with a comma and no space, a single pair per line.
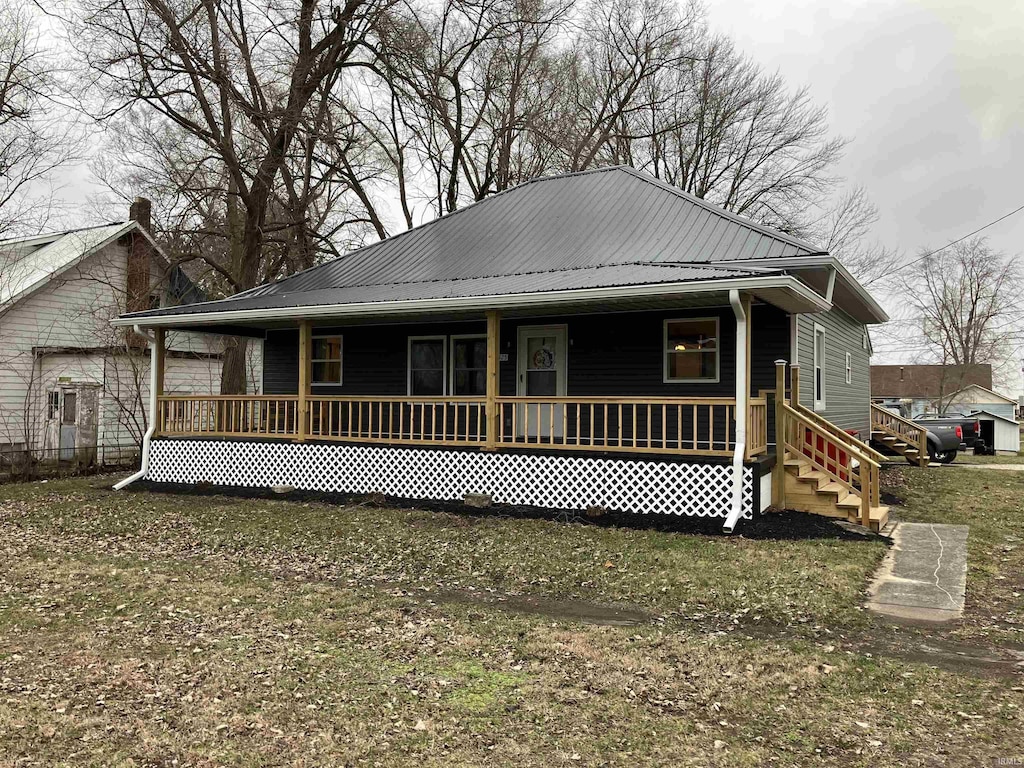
924,574
1004,467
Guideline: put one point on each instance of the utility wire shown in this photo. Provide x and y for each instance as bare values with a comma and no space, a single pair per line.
919,259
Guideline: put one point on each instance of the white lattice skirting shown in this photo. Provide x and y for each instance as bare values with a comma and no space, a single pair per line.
542,480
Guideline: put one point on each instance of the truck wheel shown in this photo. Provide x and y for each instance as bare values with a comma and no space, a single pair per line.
946,457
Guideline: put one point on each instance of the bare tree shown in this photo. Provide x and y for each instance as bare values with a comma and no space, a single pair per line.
238,78
37,135
966,301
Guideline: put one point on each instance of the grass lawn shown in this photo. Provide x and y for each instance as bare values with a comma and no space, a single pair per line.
155,629
970,458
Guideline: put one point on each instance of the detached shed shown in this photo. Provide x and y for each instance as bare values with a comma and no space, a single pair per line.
1001,433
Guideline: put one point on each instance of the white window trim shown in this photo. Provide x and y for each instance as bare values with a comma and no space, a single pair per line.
665,350
444,363
819,405
341,360
849,368
450,378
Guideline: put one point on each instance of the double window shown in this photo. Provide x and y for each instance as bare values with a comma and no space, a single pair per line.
691,350
442,365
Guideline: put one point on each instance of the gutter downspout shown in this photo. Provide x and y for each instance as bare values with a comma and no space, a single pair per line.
741,411
151,428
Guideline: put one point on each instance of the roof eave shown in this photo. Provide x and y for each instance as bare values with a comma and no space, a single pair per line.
803,295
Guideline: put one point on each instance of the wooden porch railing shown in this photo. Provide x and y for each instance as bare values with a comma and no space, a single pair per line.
904,430
228,415
802,435
757,427
699,426
402,420
841,435
643,425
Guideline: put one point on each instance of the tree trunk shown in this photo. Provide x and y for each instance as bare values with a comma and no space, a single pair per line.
233,372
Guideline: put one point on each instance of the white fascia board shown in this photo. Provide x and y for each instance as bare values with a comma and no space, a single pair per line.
482,303
824,260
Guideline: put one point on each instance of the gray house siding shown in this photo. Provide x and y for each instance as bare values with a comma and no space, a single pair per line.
846,405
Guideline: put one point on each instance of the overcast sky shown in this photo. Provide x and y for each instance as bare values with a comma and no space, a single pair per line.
931,92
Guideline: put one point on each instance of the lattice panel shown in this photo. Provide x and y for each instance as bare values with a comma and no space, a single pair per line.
558,482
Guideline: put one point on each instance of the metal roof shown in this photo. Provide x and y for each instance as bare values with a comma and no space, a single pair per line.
602,228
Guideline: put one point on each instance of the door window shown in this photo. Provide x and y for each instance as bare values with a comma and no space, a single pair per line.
70,415
541,370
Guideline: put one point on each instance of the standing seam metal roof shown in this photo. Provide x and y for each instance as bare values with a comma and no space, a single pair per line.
606,227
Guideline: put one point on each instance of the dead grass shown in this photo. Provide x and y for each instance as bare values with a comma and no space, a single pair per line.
154,630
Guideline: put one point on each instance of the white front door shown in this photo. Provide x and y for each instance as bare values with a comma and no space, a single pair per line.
541,360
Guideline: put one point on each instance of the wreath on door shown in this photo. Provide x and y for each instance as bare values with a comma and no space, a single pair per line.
543,358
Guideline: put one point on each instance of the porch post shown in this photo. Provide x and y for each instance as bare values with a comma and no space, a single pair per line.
493,340
157,361
779,471
305,374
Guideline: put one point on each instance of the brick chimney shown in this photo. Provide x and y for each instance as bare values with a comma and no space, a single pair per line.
139,251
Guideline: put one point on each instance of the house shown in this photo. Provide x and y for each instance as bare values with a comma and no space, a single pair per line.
598,339
916,389
70,384
977,397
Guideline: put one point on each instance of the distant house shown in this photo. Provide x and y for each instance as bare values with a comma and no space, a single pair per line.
917,389
70,384
598,339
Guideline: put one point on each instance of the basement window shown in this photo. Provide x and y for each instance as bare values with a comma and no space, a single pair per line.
691,350
327,353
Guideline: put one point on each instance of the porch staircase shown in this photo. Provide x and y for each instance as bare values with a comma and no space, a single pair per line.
899,435
911,452
809,489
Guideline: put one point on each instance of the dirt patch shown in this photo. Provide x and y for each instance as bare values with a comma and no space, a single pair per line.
775,525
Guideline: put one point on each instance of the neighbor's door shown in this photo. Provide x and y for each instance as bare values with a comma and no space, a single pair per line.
541,358
68,423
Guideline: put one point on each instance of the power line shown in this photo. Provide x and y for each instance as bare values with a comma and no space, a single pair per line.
919,259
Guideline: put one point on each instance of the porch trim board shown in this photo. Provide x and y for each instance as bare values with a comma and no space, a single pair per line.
526,478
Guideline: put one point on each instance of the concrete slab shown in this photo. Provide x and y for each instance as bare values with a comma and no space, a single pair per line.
1001,467
924,574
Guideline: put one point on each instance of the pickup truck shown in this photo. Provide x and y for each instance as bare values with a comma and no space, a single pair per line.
954,431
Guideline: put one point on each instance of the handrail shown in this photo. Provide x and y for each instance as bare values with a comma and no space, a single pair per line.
867,474
855,448
897,426
844,436
876,408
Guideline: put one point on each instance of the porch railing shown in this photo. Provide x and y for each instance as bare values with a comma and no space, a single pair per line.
757,427
701,426
844,461
403,420
904,430
228,415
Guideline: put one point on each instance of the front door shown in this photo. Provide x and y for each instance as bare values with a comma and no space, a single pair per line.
541,357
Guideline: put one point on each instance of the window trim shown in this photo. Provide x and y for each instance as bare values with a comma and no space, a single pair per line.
665,379
849,368
819,405
450,378
341,360
443,338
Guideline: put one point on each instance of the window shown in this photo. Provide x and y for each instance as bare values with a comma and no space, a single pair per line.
52,404
426,365
691,349
819,367
469,365
849,368
327,360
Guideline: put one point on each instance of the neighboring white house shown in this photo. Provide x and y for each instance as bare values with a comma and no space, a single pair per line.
69,382
975,397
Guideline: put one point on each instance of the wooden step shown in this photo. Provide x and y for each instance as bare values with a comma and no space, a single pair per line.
833,488
814,477
878,516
